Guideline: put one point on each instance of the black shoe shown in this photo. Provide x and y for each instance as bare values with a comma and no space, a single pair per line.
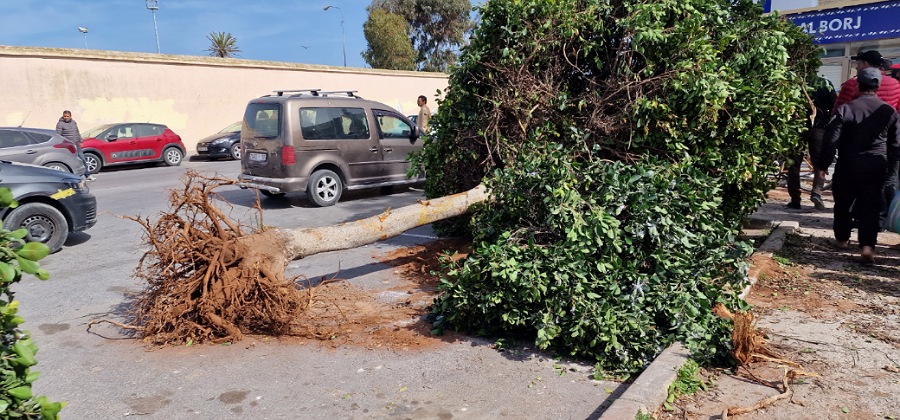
794,205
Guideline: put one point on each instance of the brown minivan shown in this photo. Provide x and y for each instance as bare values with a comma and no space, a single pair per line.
323,143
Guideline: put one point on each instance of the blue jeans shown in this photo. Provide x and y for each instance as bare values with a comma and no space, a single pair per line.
80,154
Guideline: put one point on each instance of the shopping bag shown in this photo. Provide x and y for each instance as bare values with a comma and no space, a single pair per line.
892,222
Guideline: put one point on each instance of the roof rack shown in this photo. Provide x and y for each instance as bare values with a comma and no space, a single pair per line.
314,92
348,93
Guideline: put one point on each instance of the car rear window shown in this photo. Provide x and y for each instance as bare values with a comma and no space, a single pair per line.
320,123
39,137
263,119
12,138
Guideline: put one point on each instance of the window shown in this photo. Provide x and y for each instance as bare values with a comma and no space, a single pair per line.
318,124
122,132
354,124
38,138
9,138
392,126
147,130
263,119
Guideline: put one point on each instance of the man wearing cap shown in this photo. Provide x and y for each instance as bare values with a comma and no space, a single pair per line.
889,91
866,134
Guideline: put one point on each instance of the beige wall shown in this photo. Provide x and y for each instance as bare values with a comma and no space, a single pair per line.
194,96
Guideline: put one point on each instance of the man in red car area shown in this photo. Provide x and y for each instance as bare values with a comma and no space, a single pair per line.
68,128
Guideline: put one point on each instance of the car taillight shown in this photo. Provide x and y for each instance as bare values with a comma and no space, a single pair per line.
287,156
66,145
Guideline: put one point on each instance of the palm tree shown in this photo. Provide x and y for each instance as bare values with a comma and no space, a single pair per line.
222,44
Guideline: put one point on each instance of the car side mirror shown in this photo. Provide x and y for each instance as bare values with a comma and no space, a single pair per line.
416,133
112,137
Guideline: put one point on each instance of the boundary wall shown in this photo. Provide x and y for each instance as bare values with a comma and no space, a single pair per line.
195,96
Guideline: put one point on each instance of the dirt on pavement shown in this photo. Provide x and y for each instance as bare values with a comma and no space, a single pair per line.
823,310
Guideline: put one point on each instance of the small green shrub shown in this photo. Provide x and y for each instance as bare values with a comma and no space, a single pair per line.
17,350
687,382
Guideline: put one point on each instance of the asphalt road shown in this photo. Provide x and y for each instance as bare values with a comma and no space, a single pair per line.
104,374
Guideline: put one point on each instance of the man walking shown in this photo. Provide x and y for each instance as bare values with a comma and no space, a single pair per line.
68,128
823,97
424,114
866,134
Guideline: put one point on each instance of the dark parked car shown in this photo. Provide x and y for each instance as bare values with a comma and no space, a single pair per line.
114,144
51,203
40,147
224,144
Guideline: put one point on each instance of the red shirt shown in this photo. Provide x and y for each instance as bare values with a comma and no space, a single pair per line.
889,92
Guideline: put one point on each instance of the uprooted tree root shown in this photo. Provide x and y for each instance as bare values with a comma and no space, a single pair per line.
211,279
750,346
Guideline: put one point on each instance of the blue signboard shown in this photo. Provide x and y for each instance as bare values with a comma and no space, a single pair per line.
848,24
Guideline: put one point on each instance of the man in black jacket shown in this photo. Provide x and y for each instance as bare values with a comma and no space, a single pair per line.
866,132
68,128
823,97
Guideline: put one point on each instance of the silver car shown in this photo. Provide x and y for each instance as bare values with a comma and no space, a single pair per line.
40,147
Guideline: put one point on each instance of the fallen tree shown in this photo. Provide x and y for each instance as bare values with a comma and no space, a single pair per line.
209,278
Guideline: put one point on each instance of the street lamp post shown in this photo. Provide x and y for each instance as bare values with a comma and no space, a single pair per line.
84,31
153,6
343,37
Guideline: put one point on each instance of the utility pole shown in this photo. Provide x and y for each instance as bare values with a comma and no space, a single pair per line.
153,6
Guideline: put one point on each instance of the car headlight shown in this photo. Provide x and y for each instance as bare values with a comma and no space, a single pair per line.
79,185
217,142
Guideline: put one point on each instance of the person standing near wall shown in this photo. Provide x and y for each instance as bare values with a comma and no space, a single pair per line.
68,128
424,117
866,134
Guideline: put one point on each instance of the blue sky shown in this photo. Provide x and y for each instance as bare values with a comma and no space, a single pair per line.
281,30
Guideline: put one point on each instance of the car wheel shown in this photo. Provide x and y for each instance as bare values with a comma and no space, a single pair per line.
93,163
43,222
58,166
236,151
172,156
271,194
325,188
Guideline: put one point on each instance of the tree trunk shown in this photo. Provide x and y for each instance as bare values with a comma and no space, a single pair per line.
299,243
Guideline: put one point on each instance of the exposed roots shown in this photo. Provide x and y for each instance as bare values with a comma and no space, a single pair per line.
750,346
209,278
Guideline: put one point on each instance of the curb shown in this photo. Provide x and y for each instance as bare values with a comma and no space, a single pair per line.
651,388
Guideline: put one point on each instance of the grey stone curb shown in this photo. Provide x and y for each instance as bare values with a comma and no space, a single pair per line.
651,388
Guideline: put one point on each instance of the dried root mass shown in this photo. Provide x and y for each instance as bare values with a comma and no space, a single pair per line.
209,278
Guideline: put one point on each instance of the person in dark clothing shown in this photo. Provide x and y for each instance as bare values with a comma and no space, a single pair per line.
823,97
68,128
866,134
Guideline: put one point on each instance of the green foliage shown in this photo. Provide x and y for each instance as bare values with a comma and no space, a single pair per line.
623,143
611,261
222,44
17,350
687,382
389,43
437,28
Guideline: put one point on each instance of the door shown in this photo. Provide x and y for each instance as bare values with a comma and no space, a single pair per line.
16,146
342,136
398,140
122,144
149,139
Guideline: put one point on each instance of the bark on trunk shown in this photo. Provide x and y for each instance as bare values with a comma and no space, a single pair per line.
299,243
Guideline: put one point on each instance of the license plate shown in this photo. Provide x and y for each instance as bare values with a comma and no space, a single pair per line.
257,157
202,148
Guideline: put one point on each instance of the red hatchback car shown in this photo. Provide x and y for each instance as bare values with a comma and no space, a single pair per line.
114,144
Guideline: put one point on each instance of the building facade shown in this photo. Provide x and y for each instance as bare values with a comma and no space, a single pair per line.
845,28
